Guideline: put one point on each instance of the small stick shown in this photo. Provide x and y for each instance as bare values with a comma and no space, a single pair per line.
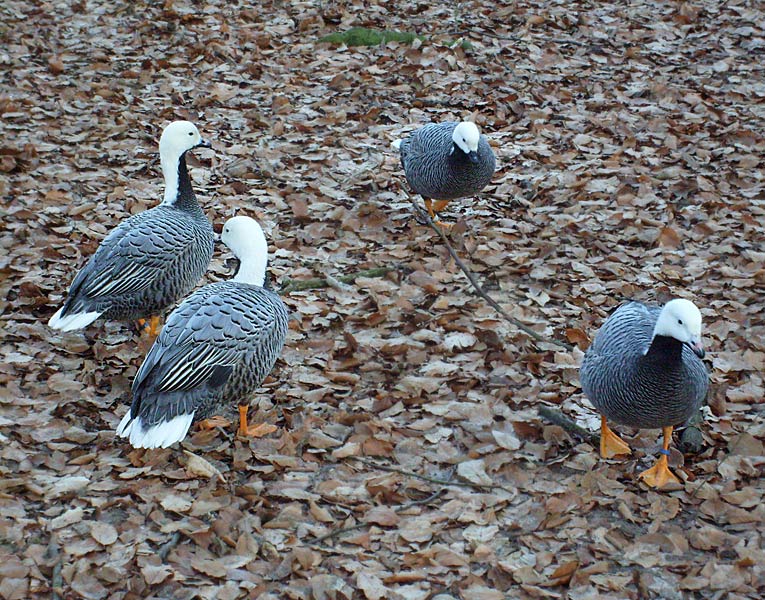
447,482
364,524
320,282
341,531
558,418
480,291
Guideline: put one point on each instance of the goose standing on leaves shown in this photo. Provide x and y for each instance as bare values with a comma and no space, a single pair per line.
216,348
644,370
151,259
446,161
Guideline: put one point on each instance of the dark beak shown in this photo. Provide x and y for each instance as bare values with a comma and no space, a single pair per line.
697,348
203,143
473,157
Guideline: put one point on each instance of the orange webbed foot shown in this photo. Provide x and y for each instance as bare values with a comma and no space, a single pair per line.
434,206
439,205
659,475
611,444
257,430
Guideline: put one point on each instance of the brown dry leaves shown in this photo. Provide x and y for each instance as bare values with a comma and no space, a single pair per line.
630,146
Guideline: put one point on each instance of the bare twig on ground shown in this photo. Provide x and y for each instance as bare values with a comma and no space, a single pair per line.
313,284
443,482
364,524
690,439
336,532
421,501
477,286
558,418
477,486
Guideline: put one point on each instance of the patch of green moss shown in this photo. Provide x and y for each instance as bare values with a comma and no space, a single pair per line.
361,36
462,43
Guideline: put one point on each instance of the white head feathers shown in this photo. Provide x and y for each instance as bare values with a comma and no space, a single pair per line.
245,238
177,138
681,319
466,136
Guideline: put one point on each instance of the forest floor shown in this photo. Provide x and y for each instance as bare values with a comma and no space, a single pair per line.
405,457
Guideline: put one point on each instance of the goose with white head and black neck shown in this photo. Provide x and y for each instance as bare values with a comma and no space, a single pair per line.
215,350
152,259
644,370
446,161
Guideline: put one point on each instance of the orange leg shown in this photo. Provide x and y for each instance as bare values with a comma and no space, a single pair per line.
611,444
659,475
151,326
435,206
258,430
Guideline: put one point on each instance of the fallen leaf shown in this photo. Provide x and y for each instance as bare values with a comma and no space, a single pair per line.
201,467
474,471
175,503
104,533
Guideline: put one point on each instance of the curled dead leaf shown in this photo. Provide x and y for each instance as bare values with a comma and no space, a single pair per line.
201,467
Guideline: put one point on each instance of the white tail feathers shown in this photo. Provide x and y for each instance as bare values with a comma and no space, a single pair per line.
162,435
72,322
396,144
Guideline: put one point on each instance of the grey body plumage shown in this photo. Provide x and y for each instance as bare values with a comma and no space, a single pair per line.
145,265
663,386
215,350
437,168
150,260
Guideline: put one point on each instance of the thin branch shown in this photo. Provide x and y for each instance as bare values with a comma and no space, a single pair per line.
420,502
335,532
558,418
313,284
690,439
364,524
447,482
479,290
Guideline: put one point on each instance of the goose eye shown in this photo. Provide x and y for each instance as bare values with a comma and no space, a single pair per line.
679,321
191,133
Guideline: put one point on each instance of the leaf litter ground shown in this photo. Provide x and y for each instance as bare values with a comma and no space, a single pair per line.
402,454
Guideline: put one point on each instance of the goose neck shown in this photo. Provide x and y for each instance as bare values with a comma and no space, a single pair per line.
178,190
